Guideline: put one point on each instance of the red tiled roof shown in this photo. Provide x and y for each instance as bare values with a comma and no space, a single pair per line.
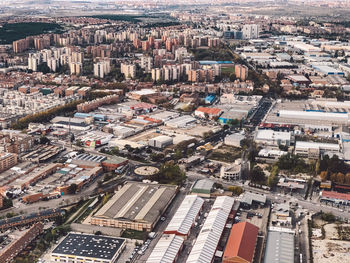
241,242
209,110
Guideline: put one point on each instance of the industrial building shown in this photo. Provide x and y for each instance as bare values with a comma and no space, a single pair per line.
76,248
240,246
313,150
180,122
167,249
70,123
234,140
95,139
250,198
273,138
160,142
335,197
317,113
279,247
204,112
208,239
135,206
185,216
203,188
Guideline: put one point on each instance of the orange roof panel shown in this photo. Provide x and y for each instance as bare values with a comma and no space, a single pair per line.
241,242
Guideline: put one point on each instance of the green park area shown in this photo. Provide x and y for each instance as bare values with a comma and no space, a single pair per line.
15,31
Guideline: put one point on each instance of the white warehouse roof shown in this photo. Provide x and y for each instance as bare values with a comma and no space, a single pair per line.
273,135
166,250
316,145
185,215
314,115
207,241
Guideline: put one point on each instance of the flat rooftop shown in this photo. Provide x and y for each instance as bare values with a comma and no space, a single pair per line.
139,202
91,246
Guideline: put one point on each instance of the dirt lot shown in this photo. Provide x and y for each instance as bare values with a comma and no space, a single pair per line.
331,249
325,251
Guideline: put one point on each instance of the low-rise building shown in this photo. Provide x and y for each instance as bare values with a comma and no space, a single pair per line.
203,188
185,216
135,206
241,244
77,248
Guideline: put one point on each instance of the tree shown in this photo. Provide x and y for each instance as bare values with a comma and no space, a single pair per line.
170,173
272,180
340,178
324,176
114,150
236,190
44,140
257,175
7,203
347,179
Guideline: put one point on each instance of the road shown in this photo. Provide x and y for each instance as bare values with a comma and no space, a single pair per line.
312,206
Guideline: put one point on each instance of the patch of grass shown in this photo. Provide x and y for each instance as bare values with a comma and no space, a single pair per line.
15,31
134,234
227,70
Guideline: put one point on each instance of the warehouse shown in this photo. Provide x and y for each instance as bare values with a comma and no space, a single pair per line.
181,122
334,117
167,249
250,198
135,206
165,115
70,123
204,112
234,139
240,246
203,188
95,138
312,150
76,248
335,197
122,131
273,138
208,239
114,163
160,142
327,70
279,247
185,216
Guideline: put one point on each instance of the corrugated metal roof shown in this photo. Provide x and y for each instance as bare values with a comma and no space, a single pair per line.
279,248
185,215
166,249
204,249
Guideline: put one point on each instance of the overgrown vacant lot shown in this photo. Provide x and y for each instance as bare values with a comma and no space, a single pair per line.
12,32
225,154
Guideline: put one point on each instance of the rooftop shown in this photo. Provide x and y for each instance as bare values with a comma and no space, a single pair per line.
241,242
92,246
139,202
279,247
